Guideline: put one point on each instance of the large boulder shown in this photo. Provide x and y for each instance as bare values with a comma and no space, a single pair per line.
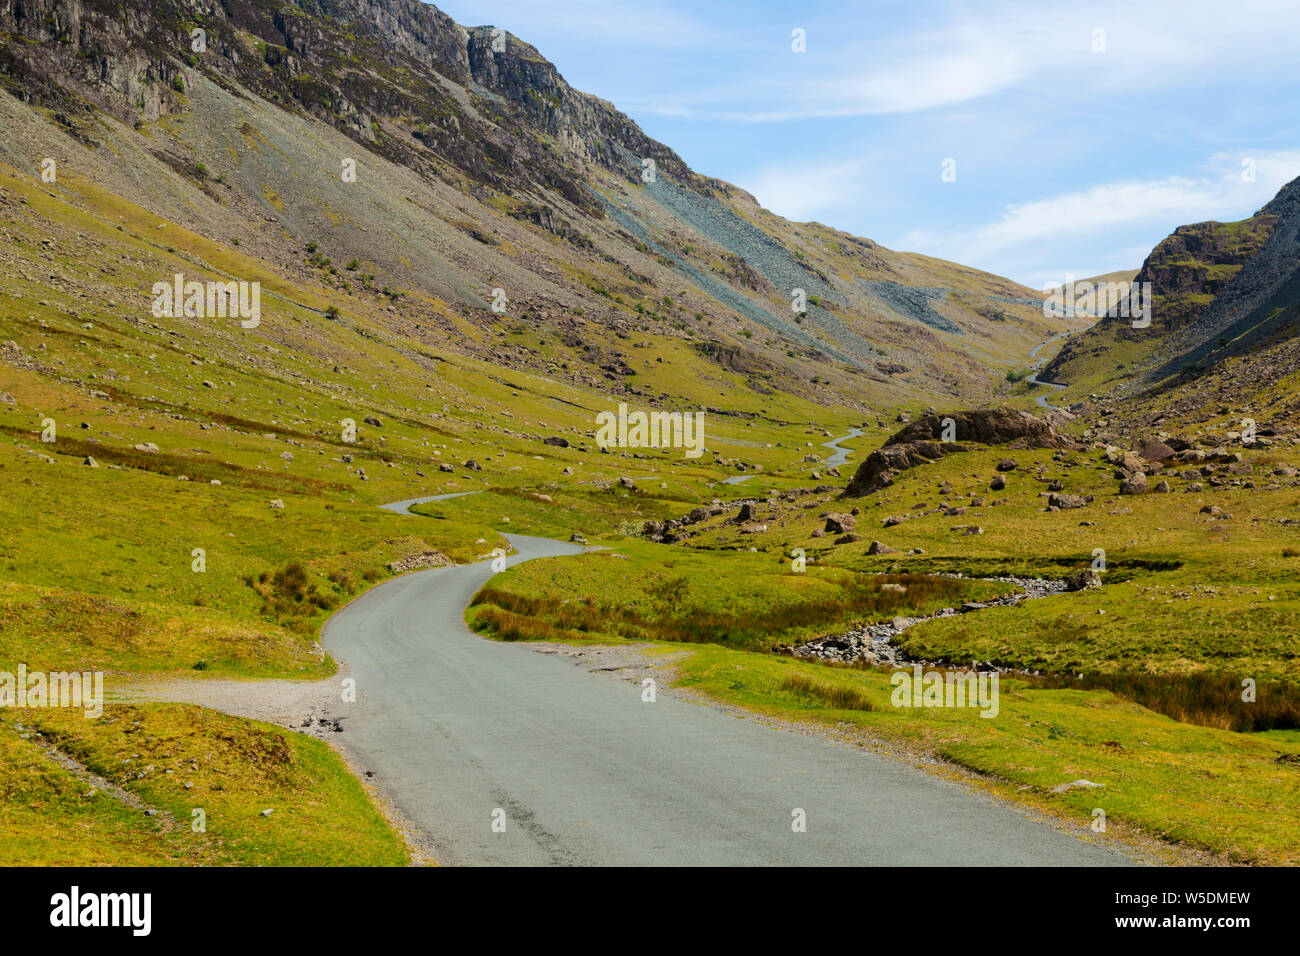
1083,580
1066,502
989,426
839,523
1135,484
882,466
921,442
1153,449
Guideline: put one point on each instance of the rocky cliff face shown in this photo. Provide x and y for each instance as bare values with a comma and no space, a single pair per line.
1187,270
483,169
385,72
1250,309
1197,262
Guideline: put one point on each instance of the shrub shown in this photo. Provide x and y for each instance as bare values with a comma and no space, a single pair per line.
1205,698
837,696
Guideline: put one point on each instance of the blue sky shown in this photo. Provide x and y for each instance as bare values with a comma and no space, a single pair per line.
1068,160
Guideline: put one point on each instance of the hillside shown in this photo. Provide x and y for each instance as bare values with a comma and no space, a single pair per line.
1224,297
463,264
190,495
478,169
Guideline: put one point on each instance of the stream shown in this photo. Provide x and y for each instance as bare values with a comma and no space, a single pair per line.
874,643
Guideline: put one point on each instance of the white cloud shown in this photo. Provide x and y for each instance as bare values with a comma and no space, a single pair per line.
800,192
1219,192
1047,48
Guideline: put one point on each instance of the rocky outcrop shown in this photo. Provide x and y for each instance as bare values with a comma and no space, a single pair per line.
882,467
1196,263
920,443
135,62
1219,292
992,426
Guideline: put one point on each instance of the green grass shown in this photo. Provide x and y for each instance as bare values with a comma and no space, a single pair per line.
647,591
235,769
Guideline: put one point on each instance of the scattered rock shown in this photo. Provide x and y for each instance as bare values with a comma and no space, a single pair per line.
1074,785
1135,484
1066,502
425,559
837,523
1083,580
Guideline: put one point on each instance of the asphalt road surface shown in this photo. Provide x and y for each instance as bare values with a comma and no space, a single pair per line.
462,732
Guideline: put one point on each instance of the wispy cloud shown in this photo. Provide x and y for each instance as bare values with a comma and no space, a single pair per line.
994,49
1222,189
804,191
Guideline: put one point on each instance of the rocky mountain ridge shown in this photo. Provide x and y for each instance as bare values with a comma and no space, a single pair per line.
477,167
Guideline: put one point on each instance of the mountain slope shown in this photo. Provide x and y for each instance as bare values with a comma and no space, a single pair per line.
1218,290
480,169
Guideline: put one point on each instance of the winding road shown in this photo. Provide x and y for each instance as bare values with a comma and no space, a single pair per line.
1033,379
461,732
840,455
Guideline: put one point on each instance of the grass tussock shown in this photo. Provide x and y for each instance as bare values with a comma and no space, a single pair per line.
289,595
836,696
1204,698
509,626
